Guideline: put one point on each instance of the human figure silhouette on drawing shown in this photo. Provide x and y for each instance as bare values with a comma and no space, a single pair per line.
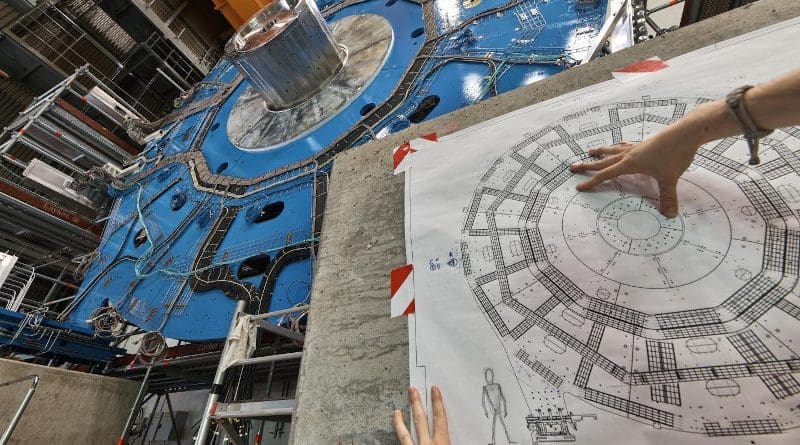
493,393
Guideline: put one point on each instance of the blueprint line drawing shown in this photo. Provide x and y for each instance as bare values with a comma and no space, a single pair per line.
528,225
603,320
494,402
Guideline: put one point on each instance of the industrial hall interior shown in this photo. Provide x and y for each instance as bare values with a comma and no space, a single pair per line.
412,222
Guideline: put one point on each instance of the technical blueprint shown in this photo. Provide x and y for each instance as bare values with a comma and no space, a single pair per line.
548,315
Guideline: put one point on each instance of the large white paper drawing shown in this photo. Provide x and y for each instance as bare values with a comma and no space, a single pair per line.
548,315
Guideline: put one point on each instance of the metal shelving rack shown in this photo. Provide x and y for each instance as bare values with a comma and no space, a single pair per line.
53,205
69,34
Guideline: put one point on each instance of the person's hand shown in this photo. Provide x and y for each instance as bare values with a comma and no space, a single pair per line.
666,155
660,157
440,434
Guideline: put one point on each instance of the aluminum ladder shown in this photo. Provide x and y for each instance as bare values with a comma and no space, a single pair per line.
223,413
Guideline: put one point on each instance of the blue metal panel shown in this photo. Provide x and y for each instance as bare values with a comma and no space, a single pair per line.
201,225
49,338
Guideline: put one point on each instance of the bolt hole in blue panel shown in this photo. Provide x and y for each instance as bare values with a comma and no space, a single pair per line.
187,134
266,213
215,126
176,141
140,238
178,201
164,174
222,167
417,32
424,109
367,108
253,267
390,3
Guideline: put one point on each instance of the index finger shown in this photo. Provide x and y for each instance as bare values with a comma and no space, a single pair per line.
603,175
579,167
418,413
439,415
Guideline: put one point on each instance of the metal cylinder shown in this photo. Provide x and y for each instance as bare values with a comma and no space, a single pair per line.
287,52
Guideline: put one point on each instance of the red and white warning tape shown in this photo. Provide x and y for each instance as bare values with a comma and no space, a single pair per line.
639,69
402,291
402,156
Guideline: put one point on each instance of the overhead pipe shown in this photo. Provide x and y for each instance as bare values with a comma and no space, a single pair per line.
56,281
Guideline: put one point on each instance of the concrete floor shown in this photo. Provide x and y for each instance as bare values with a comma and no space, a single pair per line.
355,368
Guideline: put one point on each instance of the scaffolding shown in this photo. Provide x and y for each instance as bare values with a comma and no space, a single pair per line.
166,16
16,285
69,34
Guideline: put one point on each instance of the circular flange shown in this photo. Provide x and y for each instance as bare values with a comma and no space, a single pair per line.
368,39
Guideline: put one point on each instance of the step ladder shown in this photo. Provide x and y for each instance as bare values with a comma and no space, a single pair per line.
223,413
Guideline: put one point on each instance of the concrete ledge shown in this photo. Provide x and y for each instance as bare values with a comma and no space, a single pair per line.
68,407
355,367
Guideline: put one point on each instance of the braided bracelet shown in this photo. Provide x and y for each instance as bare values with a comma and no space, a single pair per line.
751,132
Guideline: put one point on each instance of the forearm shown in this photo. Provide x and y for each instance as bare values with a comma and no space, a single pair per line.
707,122
774,104
666,155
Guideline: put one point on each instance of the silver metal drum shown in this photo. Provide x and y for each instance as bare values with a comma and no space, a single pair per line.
287,52
253,125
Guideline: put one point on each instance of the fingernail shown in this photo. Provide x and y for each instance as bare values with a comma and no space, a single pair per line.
412,392
435,390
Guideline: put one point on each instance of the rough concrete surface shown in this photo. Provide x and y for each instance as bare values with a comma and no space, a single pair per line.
355,368
68,407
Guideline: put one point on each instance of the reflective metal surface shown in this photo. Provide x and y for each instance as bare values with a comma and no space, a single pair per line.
287,52
253,125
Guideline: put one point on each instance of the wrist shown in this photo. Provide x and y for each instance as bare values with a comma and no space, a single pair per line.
708,122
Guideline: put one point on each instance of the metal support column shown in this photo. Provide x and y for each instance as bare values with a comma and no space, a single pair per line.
172,418
135,407
150,419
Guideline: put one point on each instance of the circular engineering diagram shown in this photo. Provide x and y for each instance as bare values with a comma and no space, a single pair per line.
637,237
689,323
